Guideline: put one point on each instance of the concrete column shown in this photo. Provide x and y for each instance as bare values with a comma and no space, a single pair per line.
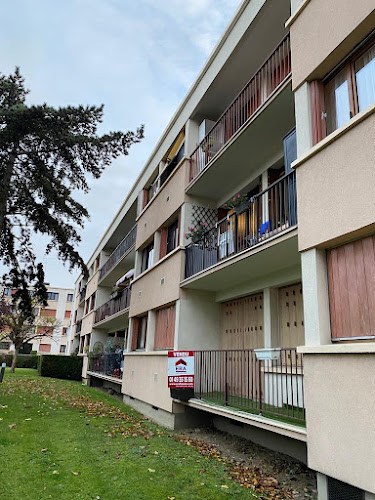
315,298
303,114
270,317
177,325
140,202
128,346
322,485
191,136
150,335
137,263
157,237
265,214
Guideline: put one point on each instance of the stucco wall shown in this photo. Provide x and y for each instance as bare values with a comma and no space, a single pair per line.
321,28
92,285
87,323
158,286
336,187
145,378
340,409
165,204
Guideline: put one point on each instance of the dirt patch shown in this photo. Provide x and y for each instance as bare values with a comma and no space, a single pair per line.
293,479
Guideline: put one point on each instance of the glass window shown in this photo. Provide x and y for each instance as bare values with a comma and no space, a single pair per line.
69,297
365,78
172,238
337,102
141,340
7,292
52,296
147,257
63,348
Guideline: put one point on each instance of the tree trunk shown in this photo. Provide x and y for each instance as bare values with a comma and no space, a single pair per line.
14,361
5,189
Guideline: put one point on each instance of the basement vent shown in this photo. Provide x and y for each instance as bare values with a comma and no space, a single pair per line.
343,491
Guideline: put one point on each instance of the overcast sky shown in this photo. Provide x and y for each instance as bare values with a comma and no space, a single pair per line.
138,58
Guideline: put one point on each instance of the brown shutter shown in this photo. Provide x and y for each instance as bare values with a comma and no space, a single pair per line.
48,313
351,279
136,323
318,109
164,328
145,198
163,242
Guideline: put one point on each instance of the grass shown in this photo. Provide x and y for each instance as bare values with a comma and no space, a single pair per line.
63,440
287,413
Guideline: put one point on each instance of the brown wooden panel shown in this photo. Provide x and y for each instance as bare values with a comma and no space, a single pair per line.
165,327
351,279
291,319
242,322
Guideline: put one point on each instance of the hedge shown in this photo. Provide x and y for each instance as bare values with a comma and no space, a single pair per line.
66,367
23,360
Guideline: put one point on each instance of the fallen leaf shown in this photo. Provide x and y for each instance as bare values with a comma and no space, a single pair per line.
12,426
55,472
44,450
151,470
224,486
75,473
26,419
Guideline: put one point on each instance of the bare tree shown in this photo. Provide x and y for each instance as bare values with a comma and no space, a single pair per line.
20,328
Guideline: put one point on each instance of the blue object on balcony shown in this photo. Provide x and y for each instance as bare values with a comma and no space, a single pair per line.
266,227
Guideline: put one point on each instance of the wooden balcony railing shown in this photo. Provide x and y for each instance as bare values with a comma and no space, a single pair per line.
113,306
257,91
267,214
121,249
236,378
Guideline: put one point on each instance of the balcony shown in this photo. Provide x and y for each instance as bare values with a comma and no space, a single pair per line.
267,215
108,365
79,326
119,253
82,295
113,307
237,379
258,91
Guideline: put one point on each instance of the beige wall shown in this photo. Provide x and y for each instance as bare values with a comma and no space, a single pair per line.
340,409
321,28
87,323
92,284
336,188
148,292
145,378
165,204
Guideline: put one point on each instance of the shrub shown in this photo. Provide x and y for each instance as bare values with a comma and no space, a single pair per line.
23,360
66,367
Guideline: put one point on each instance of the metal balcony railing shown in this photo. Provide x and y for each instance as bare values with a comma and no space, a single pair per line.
107,364
236,378
126,244
113,306
267,214
257,91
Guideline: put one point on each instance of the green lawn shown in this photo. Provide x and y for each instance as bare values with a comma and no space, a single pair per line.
63,440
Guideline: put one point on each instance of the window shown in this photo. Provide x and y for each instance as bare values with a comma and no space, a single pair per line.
69,297
52,296
63,349
44,347
164,328
4,345
92,301
65,331
169,238
97,262
48,313
67,314
346,91
147,257
139,333
7,292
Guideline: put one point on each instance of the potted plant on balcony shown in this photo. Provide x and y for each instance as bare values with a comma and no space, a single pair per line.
238,203
195,232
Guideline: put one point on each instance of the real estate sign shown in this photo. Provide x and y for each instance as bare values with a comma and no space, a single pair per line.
181,369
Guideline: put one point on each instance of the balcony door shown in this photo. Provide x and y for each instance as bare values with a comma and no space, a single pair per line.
291,320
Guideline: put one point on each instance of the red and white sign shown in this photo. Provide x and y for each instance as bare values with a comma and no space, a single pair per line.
181,369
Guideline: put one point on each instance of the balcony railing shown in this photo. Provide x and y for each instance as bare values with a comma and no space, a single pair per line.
82,294
113,306
121,249
78,326
107,364
236,378
267,214
260,88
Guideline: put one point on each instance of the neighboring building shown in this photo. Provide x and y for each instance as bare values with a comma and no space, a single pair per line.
251,134
60,302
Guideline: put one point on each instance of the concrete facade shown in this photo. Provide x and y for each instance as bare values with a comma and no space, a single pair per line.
254,269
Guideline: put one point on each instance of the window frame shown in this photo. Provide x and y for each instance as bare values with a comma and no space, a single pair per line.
145,264
52,296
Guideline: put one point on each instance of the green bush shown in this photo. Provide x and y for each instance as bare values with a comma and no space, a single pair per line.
23,360
66,367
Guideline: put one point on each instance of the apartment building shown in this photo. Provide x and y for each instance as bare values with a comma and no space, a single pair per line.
248,239
59,307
